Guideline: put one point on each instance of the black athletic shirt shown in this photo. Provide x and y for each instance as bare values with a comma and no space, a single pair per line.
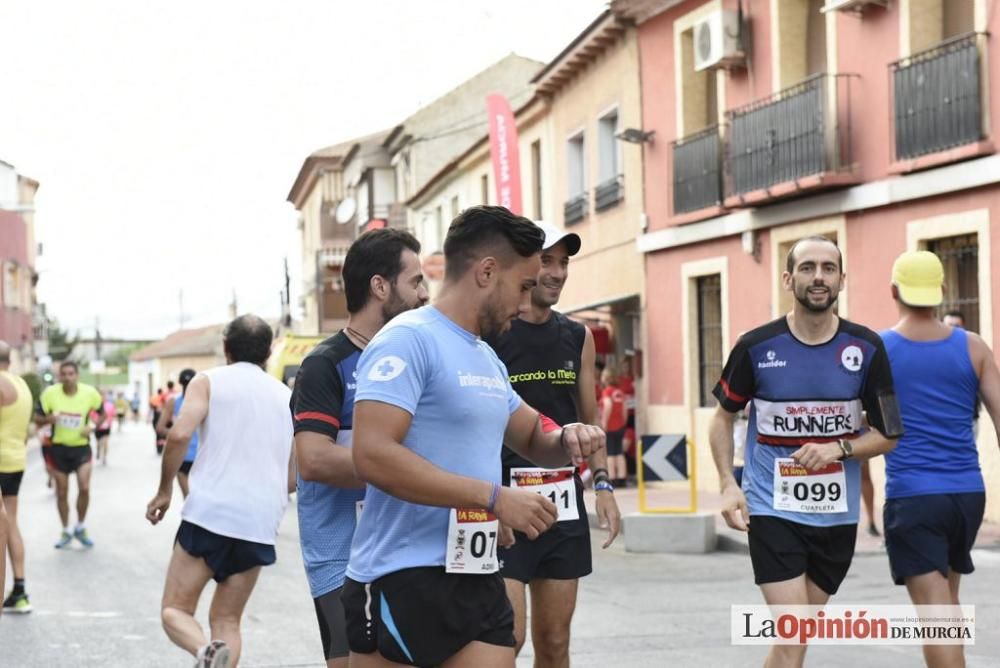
543,362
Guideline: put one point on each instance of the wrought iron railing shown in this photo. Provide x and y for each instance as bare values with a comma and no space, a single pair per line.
609,193
937,97
697,161
575,209
797,132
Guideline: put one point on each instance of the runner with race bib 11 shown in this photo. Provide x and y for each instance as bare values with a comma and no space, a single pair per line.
812,378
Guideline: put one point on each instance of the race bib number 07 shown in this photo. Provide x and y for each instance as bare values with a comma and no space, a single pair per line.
472,542
800,490
557,485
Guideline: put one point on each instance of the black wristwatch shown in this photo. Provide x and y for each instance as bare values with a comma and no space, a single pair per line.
846,449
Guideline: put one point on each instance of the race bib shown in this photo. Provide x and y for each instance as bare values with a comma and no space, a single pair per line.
69,420
800,490
557,485
358,507
472,542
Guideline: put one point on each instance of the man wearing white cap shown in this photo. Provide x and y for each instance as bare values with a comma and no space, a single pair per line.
934,489
550,361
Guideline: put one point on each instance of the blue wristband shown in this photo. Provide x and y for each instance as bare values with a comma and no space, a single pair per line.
603,486
494,494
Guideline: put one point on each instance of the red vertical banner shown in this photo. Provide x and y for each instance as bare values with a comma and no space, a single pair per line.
504,152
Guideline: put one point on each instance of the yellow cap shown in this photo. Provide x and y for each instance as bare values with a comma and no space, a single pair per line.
919,276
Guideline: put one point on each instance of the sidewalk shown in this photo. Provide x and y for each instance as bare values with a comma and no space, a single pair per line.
732,540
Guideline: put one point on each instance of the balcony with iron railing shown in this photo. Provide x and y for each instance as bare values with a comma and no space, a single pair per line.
575,209
937,102
697,174
609,193
793,141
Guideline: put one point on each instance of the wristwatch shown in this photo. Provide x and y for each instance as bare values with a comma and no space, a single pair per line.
846,449
603,486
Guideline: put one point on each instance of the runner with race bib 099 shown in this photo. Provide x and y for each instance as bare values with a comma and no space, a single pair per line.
810,376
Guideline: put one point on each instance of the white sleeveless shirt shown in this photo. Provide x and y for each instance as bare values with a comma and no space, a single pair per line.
239,480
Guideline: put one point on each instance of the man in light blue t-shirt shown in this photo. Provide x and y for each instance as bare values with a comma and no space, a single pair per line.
433,408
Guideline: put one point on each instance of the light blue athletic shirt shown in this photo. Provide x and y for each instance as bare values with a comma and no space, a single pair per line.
457,391
192,450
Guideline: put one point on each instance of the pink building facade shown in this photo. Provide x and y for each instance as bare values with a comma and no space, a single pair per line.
778,119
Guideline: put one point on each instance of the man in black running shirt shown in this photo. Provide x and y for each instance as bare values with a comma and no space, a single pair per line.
550,359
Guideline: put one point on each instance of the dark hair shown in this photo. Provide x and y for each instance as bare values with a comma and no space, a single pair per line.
170,384
488,230
185,377
247,339
790,260
66,363
374,253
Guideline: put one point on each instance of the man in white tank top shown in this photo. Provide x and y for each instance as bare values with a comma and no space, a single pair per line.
239,489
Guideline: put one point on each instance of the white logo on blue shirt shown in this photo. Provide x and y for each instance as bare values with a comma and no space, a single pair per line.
852,358
772,361
387,368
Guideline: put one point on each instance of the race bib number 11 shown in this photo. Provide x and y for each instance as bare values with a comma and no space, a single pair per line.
557,485
472,542
800,490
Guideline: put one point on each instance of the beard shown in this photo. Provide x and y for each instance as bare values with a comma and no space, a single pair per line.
492,321
540,299
802,296
396,305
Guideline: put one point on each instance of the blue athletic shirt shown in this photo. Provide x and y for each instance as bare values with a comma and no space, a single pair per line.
192,450
937,389
458,393
323,402
806,394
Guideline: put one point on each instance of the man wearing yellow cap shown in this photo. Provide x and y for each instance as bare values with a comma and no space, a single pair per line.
934,491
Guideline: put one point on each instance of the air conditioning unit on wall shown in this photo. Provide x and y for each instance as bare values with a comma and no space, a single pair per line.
717,41
844,5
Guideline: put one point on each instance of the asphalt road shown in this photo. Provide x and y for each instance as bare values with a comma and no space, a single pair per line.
100,607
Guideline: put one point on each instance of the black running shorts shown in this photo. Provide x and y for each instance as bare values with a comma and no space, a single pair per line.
423,616
68,458
225,556
10,483
561,553
781,550
614,442
332,624
186,467
933,532
101,433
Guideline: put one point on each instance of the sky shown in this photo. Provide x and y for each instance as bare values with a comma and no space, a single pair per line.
166,135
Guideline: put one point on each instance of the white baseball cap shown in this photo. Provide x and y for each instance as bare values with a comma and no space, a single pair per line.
554,235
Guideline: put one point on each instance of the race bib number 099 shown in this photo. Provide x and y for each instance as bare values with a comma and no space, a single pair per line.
557,485
801,490
472,542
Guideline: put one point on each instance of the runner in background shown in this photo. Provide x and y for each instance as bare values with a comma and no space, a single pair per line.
121,409
171,409
102,431
613,421
935,494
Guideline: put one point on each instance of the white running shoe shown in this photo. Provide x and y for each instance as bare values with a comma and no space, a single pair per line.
213,655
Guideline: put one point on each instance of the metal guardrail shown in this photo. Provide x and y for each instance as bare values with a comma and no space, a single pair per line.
697,170
575,209
609,193
794,133
937,97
